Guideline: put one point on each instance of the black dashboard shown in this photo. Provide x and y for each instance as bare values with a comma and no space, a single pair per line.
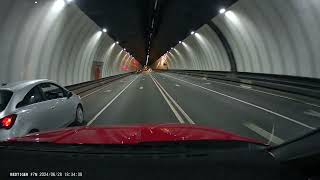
188,160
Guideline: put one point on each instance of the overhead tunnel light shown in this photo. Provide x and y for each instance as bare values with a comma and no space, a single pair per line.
223,10
58,6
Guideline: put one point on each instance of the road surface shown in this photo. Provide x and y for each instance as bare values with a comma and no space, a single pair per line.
152,98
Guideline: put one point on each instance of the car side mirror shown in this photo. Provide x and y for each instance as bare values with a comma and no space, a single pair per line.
69,95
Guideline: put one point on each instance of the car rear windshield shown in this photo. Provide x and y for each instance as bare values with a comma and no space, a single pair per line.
5,97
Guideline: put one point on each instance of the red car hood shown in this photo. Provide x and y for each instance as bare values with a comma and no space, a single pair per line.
131,135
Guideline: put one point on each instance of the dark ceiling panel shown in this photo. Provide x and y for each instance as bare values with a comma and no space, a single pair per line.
129,21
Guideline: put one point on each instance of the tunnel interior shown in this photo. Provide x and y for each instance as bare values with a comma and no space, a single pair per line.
155,25
236,73
67,41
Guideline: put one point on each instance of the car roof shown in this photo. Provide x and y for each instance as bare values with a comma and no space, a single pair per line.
19,85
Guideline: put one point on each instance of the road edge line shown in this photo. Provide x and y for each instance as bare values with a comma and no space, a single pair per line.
110,102
105,86
250,104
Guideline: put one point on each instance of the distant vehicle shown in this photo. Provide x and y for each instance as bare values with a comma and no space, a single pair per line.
37,105
147,69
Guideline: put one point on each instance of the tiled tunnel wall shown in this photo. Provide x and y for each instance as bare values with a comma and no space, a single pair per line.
265,36
54,40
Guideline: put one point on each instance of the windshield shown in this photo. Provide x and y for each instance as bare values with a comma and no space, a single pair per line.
5,97
244,67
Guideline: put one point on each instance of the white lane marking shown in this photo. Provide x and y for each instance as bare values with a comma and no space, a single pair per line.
85,96
174,102
246,86
269,136
313,113
141,87
104,108
207,83
169,103
94,91
250,104
107,91
272,94
177,85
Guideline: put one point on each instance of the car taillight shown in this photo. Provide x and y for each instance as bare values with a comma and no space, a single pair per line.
8,121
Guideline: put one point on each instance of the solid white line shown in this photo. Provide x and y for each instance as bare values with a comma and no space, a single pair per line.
104,108
141,87
107,85
272,94
246,86
312,113
174,102
250,104
169,103
95,91
269,136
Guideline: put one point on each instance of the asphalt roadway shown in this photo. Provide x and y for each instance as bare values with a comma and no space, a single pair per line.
269,116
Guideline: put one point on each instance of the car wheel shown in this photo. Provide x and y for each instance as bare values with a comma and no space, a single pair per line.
79,116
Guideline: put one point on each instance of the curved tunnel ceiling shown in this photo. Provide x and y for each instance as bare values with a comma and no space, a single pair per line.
130,22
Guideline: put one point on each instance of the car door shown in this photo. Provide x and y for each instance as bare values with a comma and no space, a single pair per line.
59,104
67,105
34,112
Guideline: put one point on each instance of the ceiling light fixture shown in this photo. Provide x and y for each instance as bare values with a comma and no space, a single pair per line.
58,6
223,10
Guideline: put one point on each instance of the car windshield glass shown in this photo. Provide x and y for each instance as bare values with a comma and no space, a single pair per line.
5,97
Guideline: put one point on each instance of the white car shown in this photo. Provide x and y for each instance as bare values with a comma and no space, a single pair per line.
37,105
